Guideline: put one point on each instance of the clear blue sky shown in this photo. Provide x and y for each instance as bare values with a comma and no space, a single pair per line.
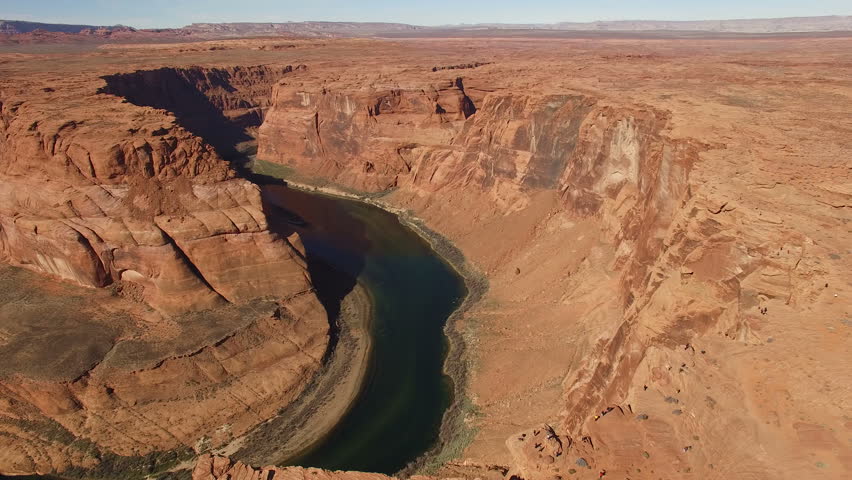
175,13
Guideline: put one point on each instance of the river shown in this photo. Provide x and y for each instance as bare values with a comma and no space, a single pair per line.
398,413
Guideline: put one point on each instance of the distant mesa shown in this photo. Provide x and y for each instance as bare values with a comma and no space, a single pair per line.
834,23
13,27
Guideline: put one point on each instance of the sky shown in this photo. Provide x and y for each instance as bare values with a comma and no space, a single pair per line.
177,13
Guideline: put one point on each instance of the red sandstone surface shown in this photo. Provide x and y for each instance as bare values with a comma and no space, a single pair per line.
663,225
104,194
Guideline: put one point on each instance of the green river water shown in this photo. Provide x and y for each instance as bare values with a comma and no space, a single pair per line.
398,414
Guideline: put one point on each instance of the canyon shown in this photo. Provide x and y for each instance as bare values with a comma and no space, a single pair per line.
656,232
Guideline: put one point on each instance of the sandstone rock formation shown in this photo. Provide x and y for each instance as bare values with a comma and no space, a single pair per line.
222,468
360,132
199,398
102,193
687,242
145,207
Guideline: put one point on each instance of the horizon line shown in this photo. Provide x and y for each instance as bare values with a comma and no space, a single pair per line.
431,25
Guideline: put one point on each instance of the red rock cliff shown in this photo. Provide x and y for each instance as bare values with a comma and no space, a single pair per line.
129,196
99,192
680,257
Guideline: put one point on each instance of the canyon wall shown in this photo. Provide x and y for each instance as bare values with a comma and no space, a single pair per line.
661,224
221,105
137,199
210,467
105,194
673,270
611,163
359,136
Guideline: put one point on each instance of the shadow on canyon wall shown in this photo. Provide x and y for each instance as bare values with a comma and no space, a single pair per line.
204,102
335,243
180,91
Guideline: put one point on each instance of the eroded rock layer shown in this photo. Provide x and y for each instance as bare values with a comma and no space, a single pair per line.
198,399
130,196
653,233
210,467
105,194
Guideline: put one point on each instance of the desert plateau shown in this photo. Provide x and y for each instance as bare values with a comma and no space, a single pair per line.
375,250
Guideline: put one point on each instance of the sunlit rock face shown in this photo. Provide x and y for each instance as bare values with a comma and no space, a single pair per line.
103,193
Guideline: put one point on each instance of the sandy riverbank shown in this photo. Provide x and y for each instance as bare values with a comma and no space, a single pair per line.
325,401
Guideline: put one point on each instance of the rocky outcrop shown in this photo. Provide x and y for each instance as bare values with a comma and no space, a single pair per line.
102,193
682,262
200,398
359,136
144,203
210,467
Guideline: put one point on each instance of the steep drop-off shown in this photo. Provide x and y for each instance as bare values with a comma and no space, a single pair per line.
585,208
358,133
223,106
132,196
101,193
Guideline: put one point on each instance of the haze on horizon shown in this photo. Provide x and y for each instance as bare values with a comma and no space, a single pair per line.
177,13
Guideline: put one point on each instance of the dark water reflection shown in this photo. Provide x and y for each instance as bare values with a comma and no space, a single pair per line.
398,414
